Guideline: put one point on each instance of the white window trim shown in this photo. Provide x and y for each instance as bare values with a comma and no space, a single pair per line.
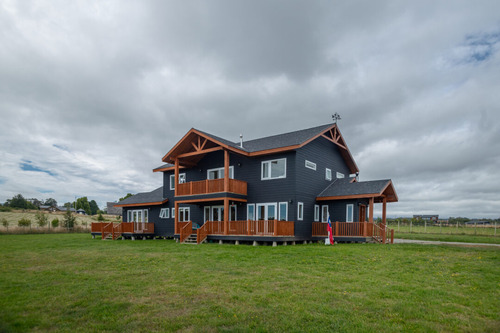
165,213
248,215
316,213
266,209
269,167
183,215
347,212
310,165
281,218
300,217
328,174
172,178
231,171
173,213
324,217
340,175
141,214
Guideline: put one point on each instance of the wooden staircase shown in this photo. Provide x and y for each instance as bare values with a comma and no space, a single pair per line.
191,239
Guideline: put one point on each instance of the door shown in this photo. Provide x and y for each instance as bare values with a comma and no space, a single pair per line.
362,213
266,214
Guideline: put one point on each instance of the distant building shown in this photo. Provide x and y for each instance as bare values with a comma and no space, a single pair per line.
81,211
63,209
433,218
112,210
48,208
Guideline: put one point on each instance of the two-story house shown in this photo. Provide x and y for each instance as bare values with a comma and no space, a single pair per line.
280,188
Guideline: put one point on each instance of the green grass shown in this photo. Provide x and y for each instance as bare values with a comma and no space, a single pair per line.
449,238
69,282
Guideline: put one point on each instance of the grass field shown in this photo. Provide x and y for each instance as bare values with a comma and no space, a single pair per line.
69,282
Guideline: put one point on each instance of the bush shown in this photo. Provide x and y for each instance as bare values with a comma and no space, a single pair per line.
100,217
69,220
55,223
41,219
4,222
5,209
24,222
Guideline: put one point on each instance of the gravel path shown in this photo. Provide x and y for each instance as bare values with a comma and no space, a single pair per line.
426,242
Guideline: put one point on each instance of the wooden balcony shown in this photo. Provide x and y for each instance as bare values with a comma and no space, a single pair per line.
209,186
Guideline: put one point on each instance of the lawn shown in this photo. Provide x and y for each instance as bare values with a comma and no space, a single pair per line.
69,282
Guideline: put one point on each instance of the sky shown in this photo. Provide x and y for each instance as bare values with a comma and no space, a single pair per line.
94,93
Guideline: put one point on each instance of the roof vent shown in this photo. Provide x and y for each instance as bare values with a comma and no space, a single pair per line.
241,140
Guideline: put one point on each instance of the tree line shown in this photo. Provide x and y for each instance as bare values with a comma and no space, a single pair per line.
19,202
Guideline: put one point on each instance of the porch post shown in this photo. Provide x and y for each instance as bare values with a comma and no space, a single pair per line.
226,170
384,235
370,218
226,216
176,181
176,220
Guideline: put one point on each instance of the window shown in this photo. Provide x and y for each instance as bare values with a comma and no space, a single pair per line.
324,213
349,213
266,211
300,211
316,213
173,213
182,180
310,165
251,212
328,174
183,214
140,215
233,213
218,173
340,175
164,213
206,213
274,169
283,211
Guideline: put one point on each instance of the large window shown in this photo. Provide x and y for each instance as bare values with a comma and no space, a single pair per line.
300,211
274,169
218,173
349,213
165,213
266,211
316,213
138,215
182,180
283,211
324,213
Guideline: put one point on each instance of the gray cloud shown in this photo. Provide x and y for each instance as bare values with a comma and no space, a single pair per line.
96,93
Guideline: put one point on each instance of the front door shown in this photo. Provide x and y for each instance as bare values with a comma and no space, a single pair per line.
217,213
362,213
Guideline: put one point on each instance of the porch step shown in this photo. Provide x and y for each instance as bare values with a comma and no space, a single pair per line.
192,239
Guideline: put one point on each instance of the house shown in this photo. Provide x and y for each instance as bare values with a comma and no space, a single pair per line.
47,208
63,209
433,218
281,188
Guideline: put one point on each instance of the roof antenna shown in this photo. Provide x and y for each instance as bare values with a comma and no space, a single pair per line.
336,117
241,140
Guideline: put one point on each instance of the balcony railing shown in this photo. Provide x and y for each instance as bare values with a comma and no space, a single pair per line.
208,186
247,228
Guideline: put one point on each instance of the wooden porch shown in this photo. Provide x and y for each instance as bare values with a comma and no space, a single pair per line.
261,228
111,230
209,186
378,232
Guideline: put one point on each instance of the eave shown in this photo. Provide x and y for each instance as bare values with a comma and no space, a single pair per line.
156,203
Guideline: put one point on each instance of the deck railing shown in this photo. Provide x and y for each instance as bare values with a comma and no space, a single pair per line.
208,186
248,228
185,231
117,229
378,232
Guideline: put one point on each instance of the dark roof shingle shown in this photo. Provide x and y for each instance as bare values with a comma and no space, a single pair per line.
143,198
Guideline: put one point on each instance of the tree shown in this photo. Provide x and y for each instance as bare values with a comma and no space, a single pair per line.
41,219
125,197
100,217
24,222
83,203
93,207
50,202
4,222
17,201
55,223
69,220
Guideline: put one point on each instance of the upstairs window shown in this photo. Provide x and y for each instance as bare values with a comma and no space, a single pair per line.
328,174
310,165
340,175
182,180
218,173
274,169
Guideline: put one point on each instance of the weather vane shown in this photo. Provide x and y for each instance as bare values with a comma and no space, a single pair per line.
336,117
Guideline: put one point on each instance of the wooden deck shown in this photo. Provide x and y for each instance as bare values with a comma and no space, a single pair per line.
378,232
116,230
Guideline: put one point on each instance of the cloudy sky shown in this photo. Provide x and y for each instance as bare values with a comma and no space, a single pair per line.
93,94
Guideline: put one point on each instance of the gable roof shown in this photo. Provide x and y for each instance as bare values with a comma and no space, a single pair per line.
348,188
144,199
196,143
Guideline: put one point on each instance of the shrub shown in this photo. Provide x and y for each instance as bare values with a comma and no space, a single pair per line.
118,217
41,219
5,209
69,220
100,217
24,222
55,223
4,222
